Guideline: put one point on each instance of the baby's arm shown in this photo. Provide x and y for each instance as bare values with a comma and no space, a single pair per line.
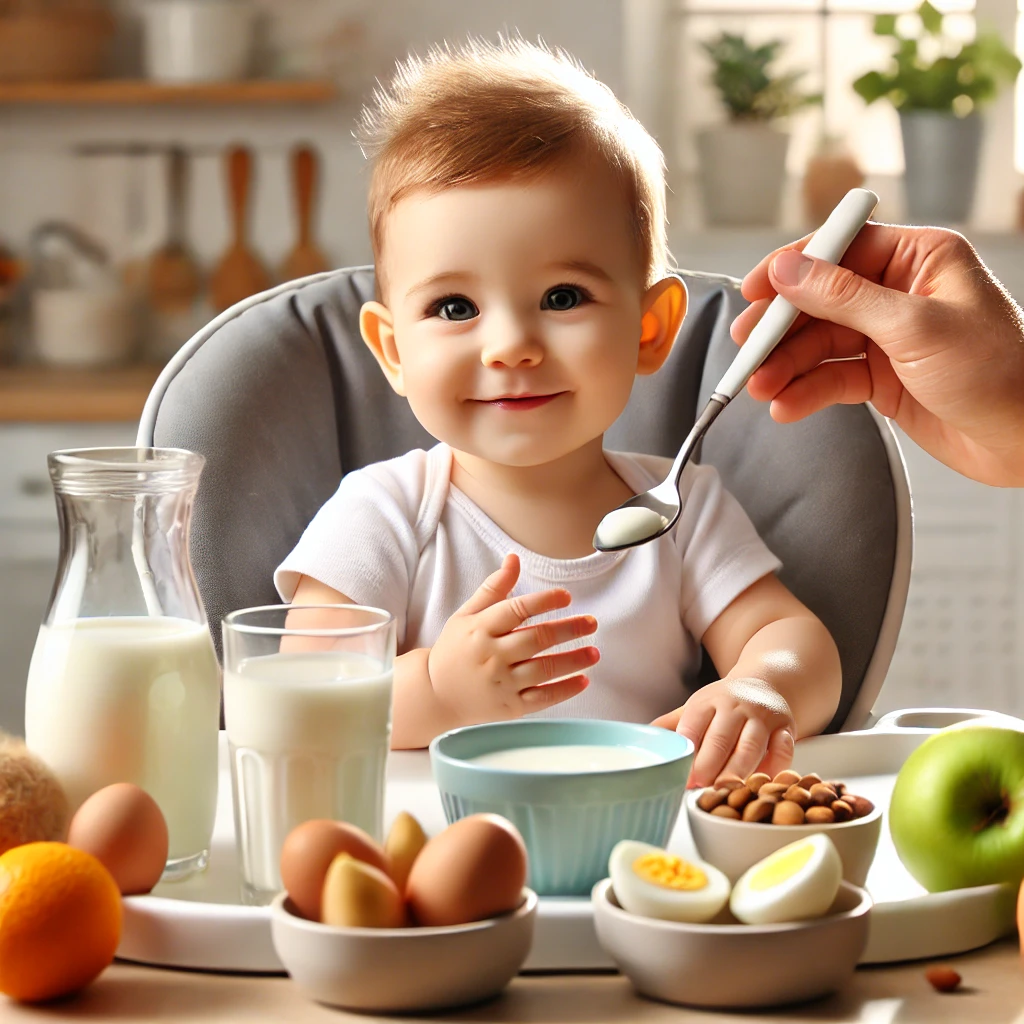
485,665
783,682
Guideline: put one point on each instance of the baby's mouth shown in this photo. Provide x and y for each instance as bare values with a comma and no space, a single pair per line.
522,403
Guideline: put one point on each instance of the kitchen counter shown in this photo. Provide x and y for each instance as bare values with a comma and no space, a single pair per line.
40,394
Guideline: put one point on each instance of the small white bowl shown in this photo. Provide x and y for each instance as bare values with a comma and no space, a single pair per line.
385,970
733,846
730,965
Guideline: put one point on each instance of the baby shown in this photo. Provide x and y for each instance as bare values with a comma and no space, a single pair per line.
517,214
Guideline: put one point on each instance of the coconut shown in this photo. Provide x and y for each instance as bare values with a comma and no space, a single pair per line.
33,805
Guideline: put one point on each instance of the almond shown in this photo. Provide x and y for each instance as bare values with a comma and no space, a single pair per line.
842,810
822,794
943,979
772,789
788,813
739,798
757,780
710,798
808,780
759,810
816,815
798,795
861,804
725,811
729,781
787,778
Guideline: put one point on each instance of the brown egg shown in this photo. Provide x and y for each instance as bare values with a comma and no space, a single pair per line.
358,895
403,845
307,854
475,868
123,827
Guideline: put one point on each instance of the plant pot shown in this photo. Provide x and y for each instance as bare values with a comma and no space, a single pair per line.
742,171
941,155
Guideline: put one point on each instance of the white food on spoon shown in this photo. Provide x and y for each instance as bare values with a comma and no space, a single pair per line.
628,525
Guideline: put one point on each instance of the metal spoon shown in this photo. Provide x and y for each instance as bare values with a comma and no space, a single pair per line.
649,515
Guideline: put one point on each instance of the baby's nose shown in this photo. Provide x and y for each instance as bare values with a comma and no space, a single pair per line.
511,341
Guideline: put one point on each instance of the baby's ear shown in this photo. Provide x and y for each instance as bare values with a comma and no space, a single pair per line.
664,307
377,327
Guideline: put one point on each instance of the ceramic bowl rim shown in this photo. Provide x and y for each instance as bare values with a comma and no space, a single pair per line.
488,771
808,828
603,894
280,912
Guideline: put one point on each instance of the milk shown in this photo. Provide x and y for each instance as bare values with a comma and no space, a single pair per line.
309,734
568,758
131,699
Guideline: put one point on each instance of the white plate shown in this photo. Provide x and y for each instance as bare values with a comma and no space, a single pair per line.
200,923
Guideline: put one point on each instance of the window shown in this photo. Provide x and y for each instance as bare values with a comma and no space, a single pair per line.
832,40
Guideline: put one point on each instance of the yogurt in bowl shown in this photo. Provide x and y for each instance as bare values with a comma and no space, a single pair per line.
573,788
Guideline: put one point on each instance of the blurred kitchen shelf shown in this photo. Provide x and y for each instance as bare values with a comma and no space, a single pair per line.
40,394
141,92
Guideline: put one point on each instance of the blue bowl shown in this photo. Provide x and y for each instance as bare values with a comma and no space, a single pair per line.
570,821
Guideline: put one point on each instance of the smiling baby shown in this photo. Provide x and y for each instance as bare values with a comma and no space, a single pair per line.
517,215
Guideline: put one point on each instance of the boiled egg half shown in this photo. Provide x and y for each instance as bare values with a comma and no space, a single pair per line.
796,882
652,882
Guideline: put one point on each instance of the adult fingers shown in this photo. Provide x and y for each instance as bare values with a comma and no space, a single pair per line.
869,254
779,754
540,670
844,383
495,588
525,642
537,697
818,342
833,293
716,747
505,616
750,748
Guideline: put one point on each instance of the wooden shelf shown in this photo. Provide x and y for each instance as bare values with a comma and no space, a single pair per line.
39,394
140,92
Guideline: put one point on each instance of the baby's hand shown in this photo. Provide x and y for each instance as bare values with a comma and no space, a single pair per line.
738,726
486,666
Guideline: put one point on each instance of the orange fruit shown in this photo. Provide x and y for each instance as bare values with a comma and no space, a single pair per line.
60,920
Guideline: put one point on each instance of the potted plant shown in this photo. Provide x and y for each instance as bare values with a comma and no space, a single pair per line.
743,161
937,85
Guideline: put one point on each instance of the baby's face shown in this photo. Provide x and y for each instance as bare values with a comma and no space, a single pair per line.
516,311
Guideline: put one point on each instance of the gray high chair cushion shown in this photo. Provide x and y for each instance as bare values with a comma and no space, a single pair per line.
284,398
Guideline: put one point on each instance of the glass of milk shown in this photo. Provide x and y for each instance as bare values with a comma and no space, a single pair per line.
124,684
307,708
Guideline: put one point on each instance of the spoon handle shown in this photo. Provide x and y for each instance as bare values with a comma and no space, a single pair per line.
829,243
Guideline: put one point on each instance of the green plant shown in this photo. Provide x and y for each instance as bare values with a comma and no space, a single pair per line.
954,82
749,89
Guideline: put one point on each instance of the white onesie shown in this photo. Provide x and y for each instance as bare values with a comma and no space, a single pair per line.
398,535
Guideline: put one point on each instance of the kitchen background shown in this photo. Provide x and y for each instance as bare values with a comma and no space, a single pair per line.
138,139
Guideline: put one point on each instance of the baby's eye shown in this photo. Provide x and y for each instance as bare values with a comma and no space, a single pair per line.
563,298
456,308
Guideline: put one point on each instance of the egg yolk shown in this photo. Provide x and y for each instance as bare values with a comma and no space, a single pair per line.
670,871
783,866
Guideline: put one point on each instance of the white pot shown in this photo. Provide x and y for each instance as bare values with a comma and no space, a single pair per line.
83,326
742,171
197,40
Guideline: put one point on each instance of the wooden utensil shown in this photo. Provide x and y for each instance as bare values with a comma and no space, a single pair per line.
240,272
305,258
173,280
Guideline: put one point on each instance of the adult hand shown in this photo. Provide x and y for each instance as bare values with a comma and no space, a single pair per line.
486,665
922,330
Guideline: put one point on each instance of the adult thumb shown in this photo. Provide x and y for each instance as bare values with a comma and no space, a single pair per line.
828,292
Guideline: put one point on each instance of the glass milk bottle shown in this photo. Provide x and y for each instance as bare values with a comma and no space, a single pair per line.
124,684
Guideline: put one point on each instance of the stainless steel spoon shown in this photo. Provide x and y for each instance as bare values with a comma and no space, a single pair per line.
649,515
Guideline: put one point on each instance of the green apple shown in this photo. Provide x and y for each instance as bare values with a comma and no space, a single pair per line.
957,810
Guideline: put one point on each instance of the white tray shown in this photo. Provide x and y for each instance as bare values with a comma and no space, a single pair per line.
199,923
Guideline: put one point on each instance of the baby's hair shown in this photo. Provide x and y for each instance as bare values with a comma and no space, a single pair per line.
486,112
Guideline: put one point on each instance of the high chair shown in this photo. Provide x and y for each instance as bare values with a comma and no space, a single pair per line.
282,397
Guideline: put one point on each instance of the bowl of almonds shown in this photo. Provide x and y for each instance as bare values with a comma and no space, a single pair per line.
736,822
